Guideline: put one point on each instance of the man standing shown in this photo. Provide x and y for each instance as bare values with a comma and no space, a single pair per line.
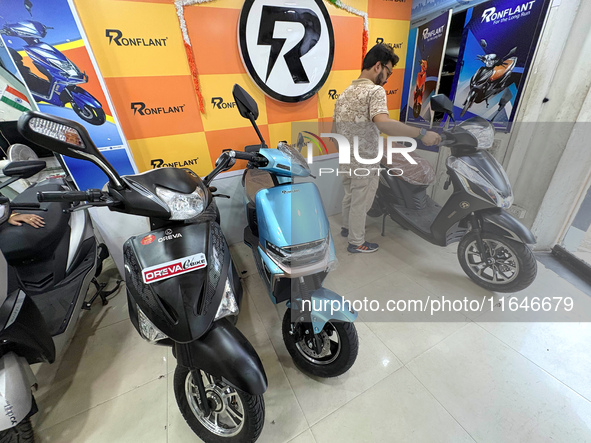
362,111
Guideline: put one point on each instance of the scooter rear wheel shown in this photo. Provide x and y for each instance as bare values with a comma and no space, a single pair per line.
94,116
511,266
340,346
21,433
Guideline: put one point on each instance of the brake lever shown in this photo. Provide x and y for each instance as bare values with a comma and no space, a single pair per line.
221,195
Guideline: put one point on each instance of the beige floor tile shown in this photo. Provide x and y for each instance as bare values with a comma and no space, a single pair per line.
321,396
136,416
100,316
284,419
243,260
496,394
397,409
270,315
94,369
304,437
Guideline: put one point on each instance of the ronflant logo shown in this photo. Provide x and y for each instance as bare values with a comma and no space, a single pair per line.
380,40
428,35
219,103
159,163
141,109
491,14
300,43
332,94
116,36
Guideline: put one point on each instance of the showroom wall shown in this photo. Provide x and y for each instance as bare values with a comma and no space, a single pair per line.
141,77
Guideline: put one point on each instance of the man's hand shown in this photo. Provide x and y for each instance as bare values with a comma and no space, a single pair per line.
30,219
431,138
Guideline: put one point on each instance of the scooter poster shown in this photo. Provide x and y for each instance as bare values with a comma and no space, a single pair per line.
428,62
47,50
498,43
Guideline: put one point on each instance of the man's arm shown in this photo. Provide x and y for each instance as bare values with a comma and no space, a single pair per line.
395,128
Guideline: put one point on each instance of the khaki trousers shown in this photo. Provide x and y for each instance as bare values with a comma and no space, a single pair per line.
359,196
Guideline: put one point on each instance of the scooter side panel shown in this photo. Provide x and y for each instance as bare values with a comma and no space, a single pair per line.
15,390
291,214
82,98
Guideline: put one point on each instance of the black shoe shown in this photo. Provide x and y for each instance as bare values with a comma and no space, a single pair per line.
344,232
365,247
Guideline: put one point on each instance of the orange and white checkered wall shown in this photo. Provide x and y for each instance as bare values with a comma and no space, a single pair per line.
151,86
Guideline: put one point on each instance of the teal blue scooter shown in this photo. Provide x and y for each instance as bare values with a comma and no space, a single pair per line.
289,235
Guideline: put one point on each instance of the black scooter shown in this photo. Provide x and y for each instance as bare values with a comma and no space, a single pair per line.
493,249
182,288
495,76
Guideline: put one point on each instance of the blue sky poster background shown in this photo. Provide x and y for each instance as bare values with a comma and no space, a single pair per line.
501,37
107,137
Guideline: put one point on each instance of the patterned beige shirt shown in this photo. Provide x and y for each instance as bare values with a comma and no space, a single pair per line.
353,115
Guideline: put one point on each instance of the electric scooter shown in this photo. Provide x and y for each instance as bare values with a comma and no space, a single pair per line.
183,290
42,292
62,74
289,234
490,79
420,89
493,246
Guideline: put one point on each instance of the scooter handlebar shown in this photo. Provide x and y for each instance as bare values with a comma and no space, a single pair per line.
92,195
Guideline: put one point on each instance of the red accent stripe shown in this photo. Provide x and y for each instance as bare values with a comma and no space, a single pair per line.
17,93
319,139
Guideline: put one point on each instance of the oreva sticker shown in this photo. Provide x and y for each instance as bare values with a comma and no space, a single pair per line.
174,268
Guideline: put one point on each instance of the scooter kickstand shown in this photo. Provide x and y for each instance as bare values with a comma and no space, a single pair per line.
384,225
100,292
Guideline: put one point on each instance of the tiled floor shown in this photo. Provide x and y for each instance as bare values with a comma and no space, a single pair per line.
471,379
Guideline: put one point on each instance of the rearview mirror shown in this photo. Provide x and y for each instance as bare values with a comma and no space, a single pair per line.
483,44
24,169
65,137
247,107
440,103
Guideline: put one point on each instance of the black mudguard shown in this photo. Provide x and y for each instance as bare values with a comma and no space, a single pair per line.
224,352
499,221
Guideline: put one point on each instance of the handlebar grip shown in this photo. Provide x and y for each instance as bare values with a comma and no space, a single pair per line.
240,155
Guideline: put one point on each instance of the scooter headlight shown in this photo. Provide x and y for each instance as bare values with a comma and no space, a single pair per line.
468,174
182,206
65,65
148,330
228,305
299,255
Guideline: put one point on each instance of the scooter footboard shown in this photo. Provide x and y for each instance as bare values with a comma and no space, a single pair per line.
326,305
16,400
224,352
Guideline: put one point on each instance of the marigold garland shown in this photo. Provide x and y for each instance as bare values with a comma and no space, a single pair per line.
180,12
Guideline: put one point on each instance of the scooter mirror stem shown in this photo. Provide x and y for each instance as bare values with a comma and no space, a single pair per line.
256,128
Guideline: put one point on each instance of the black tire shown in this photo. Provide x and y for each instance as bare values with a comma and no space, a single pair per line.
94,116
21,433
253,408
347,354
376,209
523,262
416,110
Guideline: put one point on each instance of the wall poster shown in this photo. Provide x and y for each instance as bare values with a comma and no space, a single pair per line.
498,44
46,48
428,61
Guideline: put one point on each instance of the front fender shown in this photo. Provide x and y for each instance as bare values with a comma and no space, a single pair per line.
328,305
15,390
499,221
82,98
224,352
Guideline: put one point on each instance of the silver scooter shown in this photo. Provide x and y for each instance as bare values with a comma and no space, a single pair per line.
45,274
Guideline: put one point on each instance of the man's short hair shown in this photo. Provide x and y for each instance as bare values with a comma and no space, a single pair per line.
382,52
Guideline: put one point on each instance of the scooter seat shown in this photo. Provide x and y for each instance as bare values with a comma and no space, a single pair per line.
24,243
255,180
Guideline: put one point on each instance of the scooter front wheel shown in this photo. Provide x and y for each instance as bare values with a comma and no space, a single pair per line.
21,433
507,265
234,417
94,116
338,342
